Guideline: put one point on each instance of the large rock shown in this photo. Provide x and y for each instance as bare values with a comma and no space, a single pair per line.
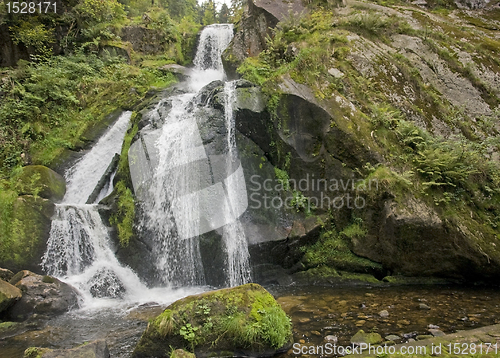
241,321
259,18
96,349
148,41
43,181
411,239
181,72
9,295
30,232
43,295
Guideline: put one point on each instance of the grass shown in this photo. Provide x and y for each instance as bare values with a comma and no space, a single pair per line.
244,317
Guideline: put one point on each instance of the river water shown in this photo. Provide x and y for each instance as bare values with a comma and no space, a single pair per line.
316,312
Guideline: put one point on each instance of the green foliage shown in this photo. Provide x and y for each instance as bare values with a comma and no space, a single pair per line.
188,332
374,23
385,116
333,250
124,216
48,106
244,317
36,36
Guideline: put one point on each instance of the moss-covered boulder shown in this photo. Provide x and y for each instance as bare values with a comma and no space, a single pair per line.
41,181
181,353
366,338
96,349
8,295
30,228
241,321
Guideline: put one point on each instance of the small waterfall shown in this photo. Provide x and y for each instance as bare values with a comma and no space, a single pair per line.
191,193
78,249
214,39
238,270
168,213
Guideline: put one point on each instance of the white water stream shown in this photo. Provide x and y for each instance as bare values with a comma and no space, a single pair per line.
179,205
191,193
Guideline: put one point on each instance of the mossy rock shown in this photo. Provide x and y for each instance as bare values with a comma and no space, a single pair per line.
181,353
241,321
29,234
35,352
42,181
96,349
9,295
8,327
366,338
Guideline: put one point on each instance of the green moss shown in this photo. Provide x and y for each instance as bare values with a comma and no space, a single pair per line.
26,231
333,250
39,180
368,338
124,216
363,277
241,318
35,352
48,279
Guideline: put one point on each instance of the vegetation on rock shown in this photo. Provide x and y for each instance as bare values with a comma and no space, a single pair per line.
241,319
384,73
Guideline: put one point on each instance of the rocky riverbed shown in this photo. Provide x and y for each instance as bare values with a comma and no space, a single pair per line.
319,314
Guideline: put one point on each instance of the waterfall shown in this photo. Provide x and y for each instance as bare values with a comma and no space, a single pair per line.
182,194
190,193
214,39
78,249
238,270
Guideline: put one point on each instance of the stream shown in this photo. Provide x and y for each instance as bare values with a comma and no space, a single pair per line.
316,312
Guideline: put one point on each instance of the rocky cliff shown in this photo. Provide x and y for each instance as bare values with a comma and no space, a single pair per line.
401,96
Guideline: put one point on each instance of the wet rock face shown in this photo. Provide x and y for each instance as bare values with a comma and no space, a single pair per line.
105,283
250,39
411,239
43,295
31,217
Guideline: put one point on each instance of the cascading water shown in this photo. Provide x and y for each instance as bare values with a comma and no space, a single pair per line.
180,202
180,197
78,249
238,270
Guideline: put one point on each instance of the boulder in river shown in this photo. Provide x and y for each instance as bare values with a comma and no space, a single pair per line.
240,321
366,338
96,349
44,295
105,283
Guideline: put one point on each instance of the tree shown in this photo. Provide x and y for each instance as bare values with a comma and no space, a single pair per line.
209,12
224,14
